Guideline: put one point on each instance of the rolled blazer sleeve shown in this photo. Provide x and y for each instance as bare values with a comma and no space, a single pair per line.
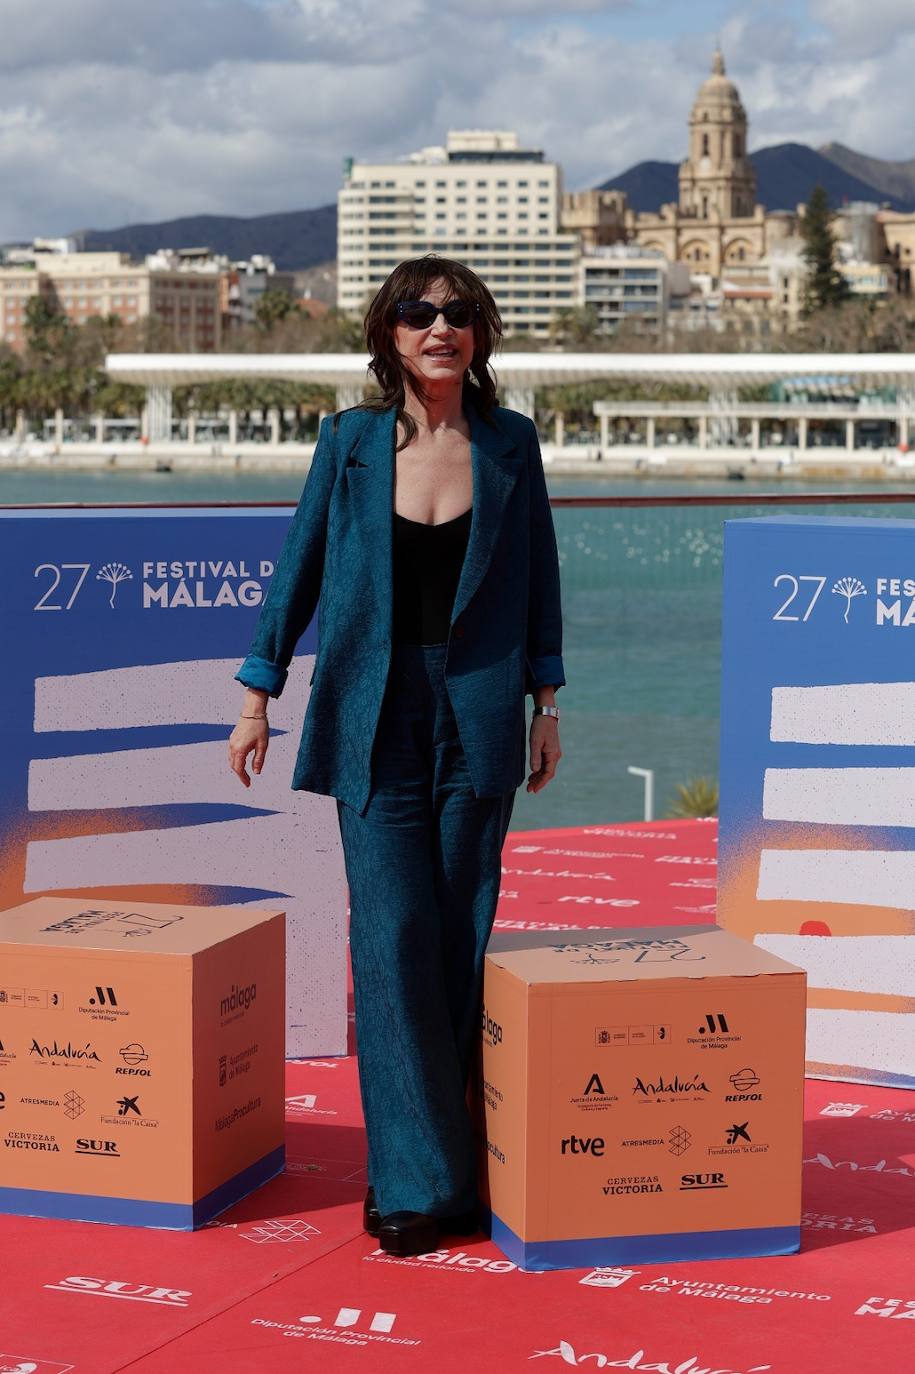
296,584
544,620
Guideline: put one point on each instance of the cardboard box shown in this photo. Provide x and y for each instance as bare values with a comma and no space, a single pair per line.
141,1064
816,838
643,1096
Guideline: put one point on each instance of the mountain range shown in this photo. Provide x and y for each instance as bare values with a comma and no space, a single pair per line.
786,174
293,238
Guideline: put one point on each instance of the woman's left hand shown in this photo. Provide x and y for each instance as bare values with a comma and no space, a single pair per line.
545,751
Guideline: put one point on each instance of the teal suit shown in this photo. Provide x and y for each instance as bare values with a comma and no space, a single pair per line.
506,624
423,746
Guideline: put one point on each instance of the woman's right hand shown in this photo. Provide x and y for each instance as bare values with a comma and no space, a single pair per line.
248,735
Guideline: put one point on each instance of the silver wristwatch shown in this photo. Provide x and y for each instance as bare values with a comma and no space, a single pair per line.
547,711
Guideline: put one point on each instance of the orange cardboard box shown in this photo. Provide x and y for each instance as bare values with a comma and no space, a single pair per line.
643,1096
141,1059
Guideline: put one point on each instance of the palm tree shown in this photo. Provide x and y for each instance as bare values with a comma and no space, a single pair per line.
698,797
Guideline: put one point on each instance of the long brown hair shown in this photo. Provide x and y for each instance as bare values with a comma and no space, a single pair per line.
408,282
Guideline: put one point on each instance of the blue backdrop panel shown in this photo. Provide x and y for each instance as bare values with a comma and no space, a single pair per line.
121,631
817,830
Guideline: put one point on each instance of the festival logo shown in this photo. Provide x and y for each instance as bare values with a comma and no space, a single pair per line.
849,588
894,1309
114,574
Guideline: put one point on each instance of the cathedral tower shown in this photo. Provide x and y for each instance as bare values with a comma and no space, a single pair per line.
717,178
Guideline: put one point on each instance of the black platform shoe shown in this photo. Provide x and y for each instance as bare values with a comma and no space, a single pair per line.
409,1233
371,1217
462,1224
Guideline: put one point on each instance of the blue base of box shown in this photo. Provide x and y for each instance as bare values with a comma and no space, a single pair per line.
607,1251
172,1216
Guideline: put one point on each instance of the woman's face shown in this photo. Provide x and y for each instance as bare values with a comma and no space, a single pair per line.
440,355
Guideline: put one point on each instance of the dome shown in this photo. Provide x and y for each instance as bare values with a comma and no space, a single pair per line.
717,88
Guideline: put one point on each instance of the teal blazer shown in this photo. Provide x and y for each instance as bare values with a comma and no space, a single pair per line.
505,635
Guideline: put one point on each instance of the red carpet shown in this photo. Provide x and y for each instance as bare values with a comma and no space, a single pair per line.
286,1281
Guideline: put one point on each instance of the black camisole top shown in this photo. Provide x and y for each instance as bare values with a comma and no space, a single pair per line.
427,567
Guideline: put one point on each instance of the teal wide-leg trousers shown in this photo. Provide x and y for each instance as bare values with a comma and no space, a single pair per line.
423,865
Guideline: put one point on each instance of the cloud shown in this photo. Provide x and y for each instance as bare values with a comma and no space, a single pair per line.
864,28
515,8
112,113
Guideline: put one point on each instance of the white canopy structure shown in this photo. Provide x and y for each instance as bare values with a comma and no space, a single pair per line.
520,374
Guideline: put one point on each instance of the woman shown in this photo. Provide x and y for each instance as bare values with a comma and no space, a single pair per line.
425,529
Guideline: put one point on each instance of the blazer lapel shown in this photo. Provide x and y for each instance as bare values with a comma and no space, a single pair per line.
496,462
369,472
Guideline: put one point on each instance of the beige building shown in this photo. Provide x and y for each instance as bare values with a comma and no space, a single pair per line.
185,302
899,237
716,224
482,199
746,260
598,217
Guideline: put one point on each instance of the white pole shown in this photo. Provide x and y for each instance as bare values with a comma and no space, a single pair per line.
648,775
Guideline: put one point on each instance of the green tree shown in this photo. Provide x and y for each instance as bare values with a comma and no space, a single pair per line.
825,285
273,307
10,379
48,331
577,328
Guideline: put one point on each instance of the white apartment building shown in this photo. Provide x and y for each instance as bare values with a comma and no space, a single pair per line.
623,282
481,199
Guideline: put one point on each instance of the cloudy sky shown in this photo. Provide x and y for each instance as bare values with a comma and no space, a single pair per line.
115,111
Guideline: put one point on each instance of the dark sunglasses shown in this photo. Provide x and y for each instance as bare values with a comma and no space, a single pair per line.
422,314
